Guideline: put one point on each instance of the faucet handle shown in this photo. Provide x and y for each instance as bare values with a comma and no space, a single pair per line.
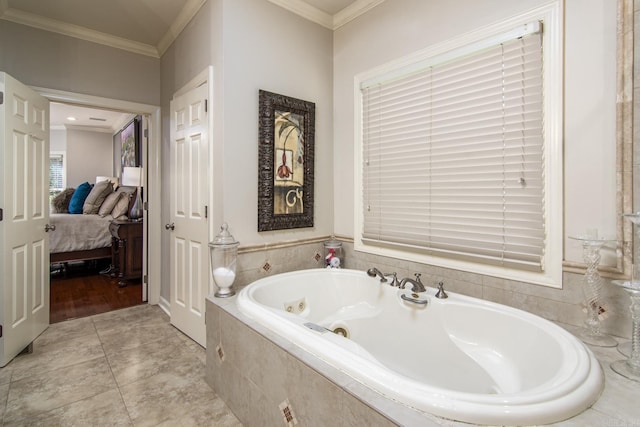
394,282
441,293
418,277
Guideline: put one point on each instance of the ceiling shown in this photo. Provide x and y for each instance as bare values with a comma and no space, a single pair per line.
93,119
148,27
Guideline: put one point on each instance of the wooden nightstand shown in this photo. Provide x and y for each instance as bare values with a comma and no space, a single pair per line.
126,250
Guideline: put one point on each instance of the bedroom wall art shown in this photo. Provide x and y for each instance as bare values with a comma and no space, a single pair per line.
127,147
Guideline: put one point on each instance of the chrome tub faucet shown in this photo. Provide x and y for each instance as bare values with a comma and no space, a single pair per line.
416,284
441,293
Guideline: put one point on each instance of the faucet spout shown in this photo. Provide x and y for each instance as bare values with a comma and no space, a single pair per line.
416,284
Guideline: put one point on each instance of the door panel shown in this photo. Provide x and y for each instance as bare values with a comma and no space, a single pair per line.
24,246
189,197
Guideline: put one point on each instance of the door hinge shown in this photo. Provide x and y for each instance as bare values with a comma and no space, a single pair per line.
0,214
206,105
206,211
145,279
145,206
0,331
1,98
146,133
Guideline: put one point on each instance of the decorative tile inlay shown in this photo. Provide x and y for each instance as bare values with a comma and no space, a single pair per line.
317,257
220,352
266,267
287,413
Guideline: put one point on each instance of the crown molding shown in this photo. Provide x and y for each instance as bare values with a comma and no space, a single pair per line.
352,11
71,30
348,14
182,20
306,11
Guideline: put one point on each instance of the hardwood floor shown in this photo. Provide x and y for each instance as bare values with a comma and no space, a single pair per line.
80,291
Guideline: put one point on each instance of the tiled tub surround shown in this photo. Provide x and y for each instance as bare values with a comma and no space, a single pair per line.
559,305
255,372
442,357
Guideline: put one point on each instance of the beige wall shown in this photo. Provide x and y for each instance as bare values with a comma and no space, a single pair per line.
89,154
252,44
197,47
267,47
53,61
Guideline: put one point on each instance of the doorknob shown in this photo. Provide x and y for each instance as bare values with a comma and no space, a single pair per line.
48,227
171,226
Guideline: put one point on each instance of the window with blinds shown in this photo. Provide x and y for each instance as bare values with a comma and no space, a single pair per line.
453,154
56,173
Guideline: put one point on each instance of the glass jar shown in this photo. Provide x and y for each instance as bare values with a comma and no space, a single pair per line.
224,254
333,253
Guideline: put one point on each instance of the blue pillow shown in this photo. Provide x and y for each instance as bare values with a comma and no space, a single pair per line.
77,200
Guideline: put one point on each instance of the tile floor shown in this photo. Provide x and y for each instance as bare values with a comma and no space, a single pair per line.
123,368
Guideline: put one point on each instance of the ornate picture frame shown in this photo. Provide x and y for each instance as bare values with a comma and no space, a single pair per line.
286,135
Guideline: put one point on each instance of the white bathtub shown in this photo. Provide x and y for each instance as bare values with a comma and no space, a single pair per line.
460,358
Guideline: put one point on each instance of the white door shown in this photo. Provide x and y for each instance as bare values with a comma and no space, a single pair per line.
189,178
24,200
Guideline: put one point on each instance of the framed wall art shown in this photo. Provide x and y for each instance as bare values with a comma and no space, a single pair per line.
127,146
285,157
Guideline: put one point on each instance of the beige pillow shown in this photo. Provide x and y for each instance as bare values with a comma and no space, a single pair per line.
94,200
122,206
108,204
60,203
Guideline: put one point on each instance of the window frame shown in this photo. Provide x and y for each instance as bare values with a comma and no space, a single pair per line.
551,17
64,167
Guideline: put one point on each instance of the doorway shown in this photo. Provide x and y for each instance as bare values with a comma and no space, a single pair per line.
86,147
151,160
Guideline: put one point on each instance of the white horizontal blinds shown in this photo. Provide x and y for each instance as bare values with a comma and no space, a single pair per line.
56,172
453,157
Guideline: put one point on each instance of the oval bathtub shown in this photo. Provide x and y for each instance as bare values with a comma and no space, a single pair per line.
459,358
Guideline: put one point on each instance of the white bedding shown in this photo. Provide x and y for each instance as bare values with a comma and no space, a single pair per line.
79,232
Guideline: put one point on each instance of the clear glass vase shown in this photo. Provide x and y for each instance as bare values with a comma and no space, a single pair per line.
592,291
630,368
224,253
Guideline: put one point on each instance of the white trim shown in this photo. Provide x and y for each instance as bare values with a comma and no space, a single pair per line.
71,30
551,14
306,11
425,59
352,11
203,77
152,244
206,76
214,219
185,16
165,306
120,124
332,22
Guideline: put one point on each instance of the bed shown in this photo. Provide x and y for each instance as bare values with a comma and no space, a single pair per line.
79,237
82,220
